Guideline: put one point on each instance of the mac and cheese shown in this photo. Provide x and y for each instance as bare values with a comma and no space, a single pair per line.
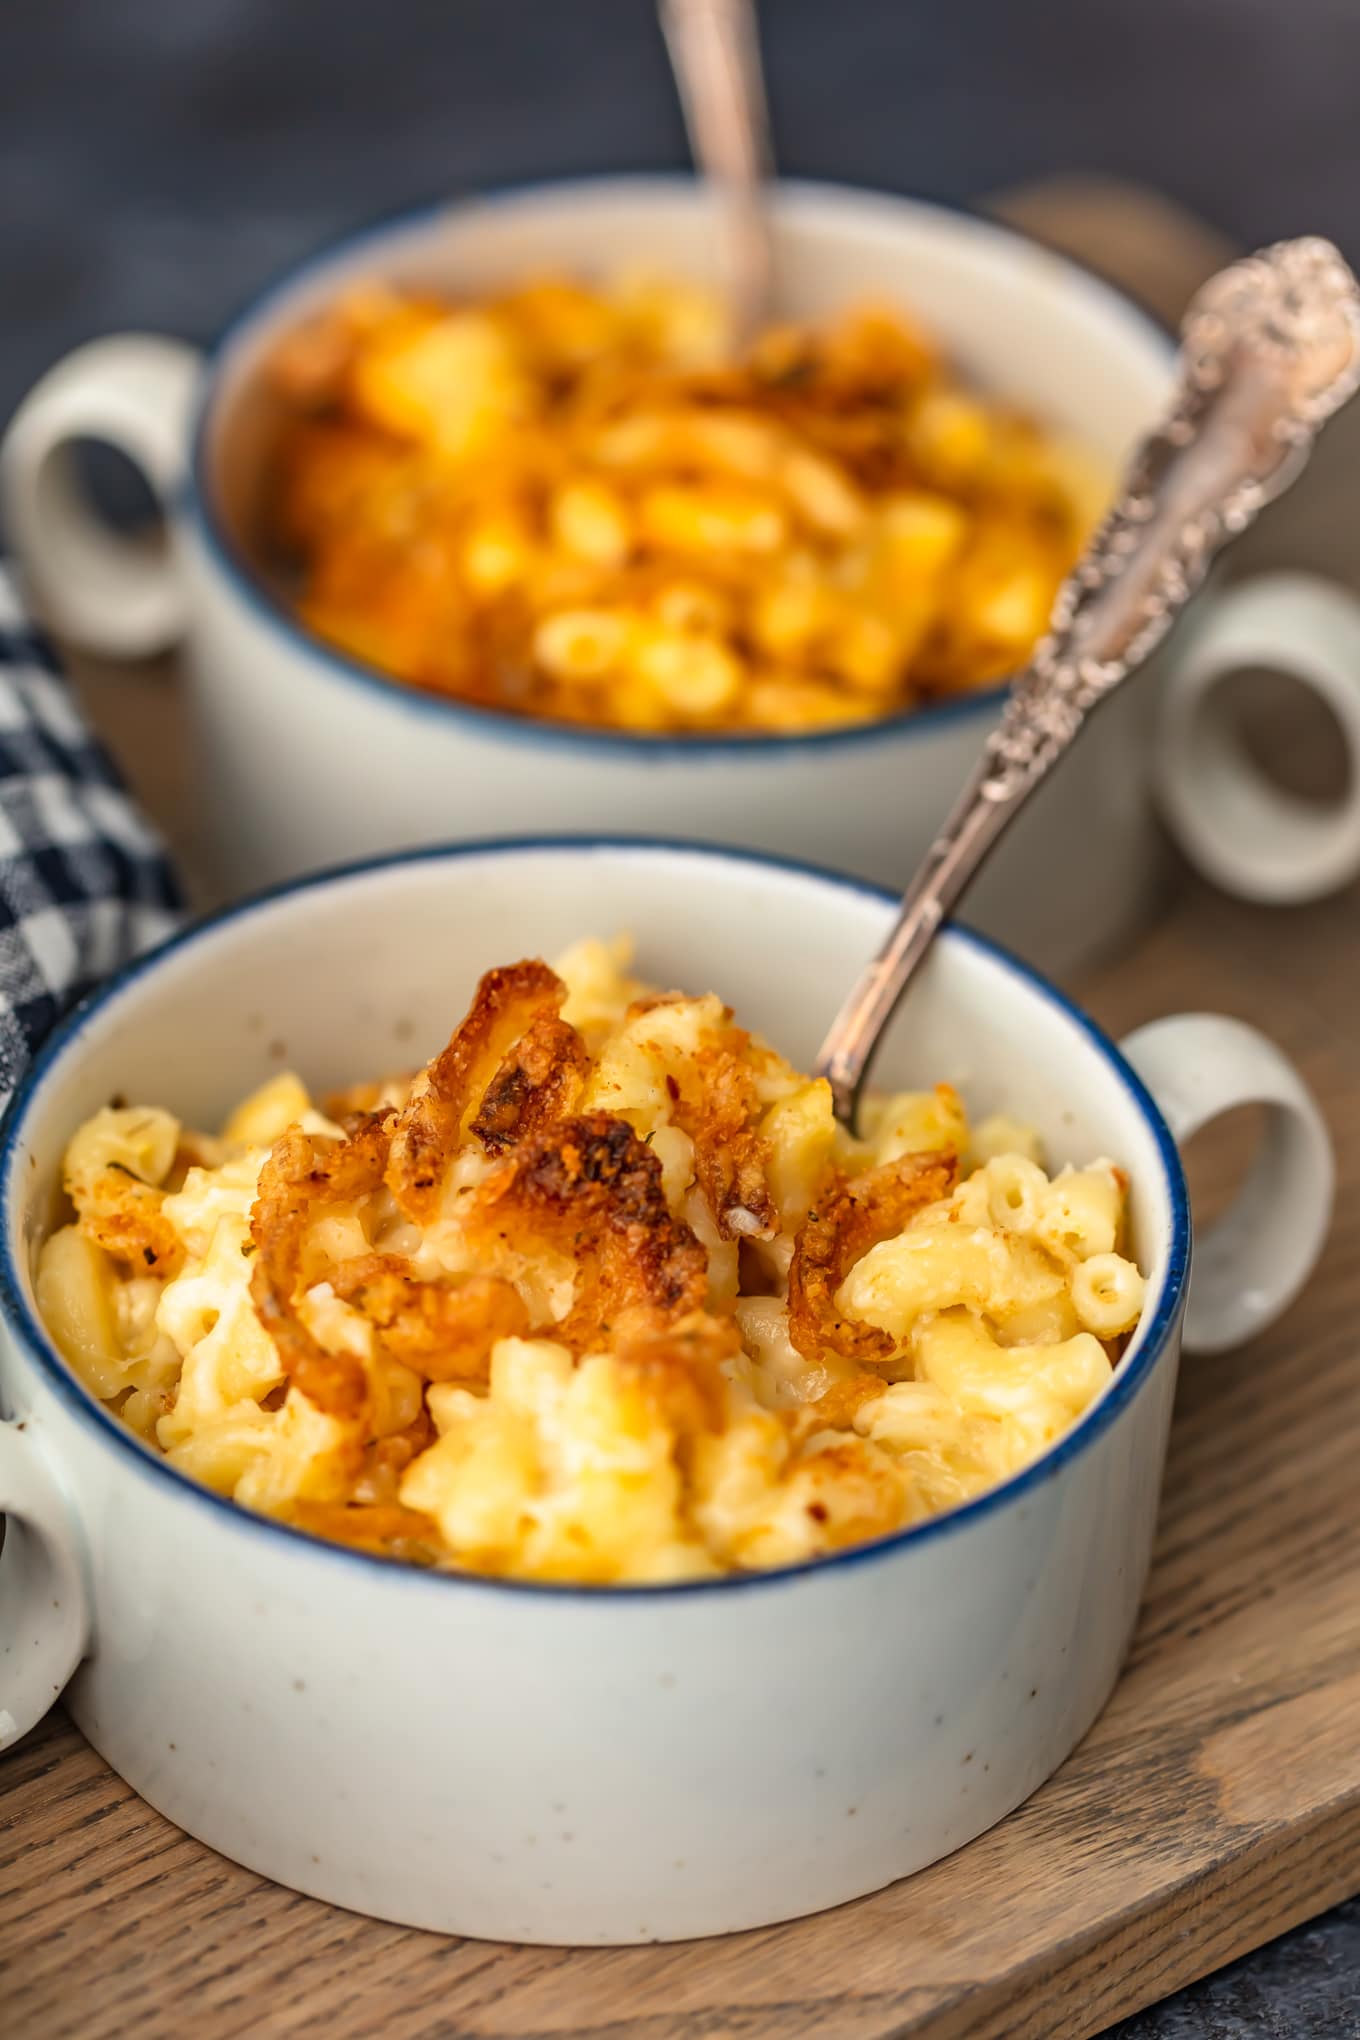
579,504
603,1294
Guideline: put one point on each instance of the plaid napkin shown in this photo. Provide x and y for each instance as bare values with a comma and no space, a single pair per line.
85,882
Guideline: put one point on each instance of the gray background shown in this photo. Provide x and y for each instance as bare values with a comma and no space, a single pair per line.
160,158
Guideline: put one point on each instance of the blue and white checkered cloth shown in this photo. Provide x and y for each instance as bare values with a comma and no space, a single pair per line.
85,882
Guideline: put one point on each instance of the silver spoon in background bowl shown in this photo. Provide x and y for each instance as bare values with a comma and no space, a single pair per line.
714,50
1270,348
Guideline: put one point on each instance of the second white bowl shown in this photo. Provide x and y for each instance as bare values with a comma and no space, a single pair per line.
306,757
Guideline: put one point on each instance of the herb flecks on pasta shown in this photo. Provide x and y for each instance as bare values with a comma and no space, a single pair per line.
602,1294
577,503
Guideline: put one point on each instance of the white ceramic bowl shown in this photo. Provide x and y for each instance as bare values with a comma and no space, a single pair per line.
602,1765
306,757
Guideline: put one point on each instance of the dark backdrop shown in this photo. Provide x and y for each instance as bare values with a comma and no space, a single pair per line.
159,157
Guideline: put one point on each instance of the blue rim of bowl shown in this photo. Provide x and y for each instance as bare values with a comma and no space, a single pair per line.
197,503
1129,1377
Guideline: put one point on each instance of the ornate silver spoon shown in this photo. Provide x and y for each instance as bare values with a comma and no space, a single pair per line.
1270,349
715,54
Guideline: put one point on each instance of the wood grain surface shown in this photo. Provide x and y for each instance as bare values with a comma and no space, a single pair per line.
1215,1803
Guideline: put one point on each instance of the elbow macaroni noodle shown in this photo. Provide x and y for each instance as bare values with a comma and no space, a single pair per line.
642,1311
576,503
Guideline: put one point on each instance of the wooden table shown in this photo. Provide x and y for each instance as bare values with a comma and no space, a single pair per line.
1216,1802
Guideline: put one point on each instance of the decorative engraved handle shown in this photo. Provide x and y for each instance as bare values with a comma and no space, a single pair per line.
1270,349
715,55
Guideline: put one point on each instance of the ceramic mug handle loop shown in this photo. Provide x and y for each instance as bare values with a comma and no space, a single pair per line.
1232,821
1252,1264
44,1601
111,593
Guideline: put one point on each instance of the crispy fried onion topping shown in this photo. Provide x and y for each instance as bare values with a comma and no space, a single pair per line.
588,1187
123,1215
302,1176
679,1370
591,1189
515,1054
584,1186
540,1080
719,1109
443,1330
854,1217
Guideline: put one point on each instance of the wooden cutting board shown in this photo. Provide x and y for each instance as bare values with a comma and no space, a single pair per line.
1216,1802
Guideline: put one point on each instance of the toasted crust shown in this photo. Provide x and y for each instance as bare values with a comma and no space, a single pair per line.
853,1493
589,1187
387,1458
839,1405
719,1114
539,1081
123,1215
443,1331
853,1218
506,1006
303,1175
680,1370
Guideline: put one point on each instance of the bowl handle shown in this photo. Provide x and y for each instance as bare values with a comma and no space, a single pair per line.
44,1600
110,592
1230,818
1253,1262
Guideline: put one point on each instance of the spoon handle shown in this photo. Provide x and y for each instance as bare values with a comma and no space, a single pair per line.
715,55
1270,349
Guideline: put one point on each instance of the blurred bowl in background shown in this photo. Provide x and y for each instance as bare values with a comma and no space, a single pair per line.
305,756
